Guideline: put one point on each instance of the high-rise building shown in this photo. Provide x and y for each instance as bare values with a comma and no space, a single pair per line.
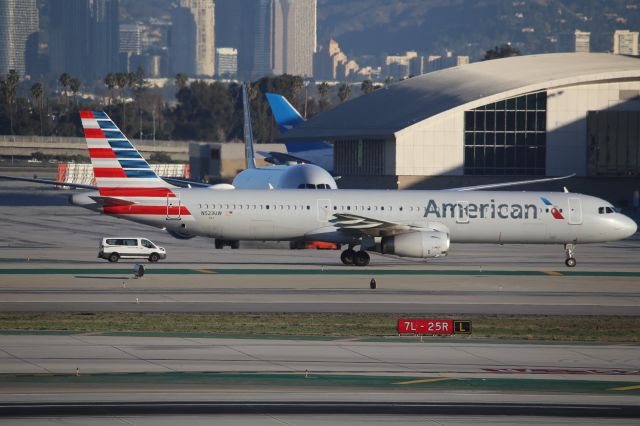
462,60
182,42
625,42
582,41
226,62
130,38
18,22
105,34
203,12
398,66
329,62
284,37
83,37
69,40
235,29
298,36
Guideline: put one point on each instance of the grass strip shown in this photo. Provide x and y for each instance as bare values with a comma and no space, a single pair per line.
605,329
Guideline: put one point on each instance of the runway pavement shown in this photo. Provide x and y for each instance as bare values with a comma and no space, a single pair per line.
48,262
89,378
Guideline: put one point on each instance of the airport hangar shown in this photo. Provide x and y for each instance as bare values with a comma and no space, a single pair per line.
538,115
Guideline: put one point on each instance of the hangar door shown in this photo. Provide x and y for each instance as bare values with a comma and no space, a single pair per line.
359,157
613,143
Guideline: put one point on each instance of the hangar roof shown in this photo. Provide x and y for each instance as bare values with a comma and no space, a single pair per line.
387,111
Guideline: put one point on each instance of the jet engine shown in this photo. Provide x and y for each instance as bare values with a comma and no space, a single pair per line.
421,244
180,235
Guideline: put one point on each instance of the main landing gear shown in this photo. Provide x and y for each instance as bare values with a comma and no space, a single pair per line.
219,244
570,261
357,258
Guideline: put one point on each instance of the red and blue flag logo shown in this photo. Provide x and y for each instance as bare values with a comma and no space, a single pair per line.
555,212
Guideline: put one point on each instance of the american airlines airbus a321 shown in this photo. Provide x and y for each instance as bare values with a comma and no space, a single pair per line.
418,224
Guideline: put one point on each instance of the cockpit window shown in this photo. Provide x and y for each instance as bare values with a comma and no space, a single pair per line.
605,210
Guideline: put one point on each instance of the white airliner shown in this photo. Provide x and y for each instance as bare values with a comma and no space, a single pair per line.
289,176
418,224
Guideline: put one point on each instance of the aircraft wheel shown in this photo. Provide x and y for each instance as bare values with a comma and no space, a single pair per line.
235,244
218,244
348,256
570,262
361,258
114,257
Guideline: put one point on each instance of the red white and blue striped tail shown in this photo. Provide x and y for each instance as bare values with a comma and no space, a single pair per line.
116,163
126,182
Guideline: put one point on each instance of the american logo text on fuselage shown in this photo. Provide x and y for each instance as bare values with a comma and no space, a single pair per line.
490,210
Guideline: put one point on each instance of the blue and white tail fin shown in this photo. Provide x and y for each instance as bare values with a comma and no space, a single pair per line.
286,116
116,163
248,132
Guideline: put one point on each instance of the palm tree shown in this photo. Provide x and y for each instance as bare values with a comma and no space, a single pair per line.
74,85
323,89
367,87
8,88
181,80
344,92
122,79
64,81
37,92
111,82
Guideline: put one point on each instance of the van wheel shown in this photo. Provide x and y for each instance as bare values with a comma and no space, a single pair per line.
114,257
154,257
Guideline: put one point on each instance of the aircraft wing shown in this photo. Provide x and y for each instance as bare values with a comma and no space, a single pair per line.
507,184
368,226
50,182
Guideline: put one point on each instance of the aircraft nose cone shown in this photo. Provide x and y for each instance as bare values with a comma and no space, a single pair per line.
627,226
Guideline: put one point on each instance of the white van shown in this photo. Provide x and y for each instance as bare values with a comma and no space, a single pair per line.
116,248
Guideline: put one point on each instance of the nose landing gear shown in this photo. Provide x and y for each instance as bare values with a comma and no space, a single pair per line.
570,261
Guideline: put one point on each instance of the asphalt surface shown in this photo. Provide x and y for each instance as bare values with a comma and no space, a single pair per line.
22,354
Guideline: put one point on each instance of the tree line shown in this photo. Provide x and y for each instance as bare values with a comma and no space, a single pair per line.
199,111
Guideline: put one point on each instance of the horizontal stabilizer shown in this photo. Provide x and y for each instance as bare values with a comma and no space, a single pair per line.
111,201
50,182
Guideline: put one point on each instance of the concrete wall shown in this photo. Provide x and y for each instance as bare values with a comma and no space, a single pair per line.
434,147
567,109
231,158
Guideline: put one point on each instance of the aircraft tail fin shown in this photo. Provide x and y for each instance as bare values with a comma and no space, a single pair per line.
116,163
248,132
286,116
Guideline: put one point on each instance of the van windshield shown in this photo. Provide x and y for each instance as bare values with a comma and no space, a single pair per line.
148,244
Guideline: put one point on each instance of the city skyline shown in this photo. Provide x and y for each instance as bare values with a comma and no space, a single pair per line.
270,37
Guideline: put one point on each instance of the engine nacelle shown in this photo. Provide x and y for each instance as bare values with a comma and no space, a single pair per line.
180,235
421,244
